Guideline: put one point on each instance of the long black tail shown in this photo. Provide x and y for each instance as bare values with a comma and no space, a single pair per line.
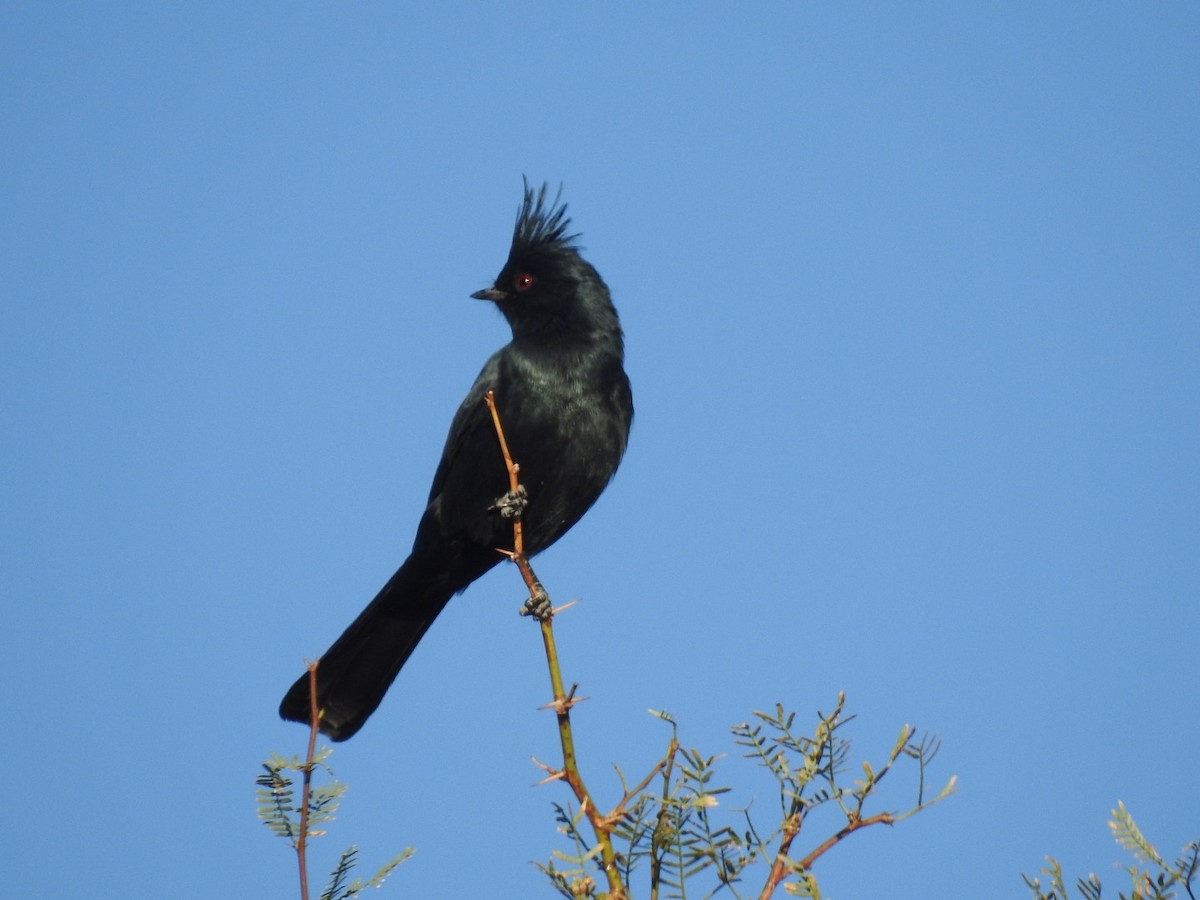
357,670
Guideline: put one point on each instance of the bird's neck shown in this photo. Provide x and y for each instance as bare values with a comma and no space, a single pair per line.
569,350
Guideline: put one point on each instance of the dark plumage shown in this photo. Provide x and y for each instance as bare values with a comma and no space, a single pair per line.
566,407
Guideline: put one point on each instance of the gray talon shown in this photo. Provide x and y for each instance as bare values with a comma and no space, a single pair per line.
538,606
512,504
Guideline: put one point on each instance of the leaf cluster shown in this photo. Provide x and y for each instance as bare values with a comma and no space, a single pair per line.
277,805
679,831
1155,882
280,811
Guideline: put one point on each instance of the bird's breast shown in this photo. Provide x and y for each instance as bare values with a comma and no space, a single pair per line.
567,431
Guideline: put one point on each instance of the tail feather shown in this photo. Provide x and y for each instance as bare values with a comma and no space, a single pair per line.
358,669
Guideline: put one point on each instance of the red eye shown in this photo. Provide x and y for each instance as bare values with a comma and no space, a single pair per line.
523,282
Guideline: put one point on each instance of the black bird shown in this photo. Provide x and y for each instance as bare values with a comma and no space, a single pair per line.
565,404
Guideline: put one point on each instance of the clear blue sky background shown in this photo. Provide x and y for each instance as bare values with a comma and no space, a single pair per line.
910,293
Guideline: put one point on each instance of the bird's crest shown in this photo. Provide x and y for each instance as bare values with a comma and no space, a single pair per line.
541,225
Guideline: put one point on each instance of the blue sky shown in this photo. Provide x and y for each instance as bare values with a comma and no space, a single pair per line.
910,301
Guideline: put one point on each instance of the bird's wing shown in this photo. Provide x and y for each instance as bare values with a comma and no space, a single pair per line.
471,473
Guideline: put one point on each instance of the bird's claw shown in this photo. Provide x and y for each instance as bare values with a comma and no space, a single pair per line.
538,605
512,504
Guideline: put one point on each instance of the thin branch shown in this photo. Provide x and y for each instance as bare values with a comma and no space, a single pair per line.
601,825
514,482
880,819
781,868
662,766
664,813
314,719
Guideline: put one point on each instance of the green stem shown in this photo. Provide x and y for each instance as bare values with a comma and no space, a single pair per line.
562,708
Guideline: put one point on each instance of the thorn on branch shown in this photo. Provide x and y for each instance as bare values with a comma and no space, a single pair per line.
552,774
564,705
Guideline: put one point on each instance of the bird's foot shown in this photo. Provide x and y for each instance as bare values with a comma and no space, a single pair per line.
512,504
538,605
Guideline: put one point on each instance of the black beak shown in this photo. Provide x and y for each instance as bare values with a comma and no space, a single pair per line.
490,294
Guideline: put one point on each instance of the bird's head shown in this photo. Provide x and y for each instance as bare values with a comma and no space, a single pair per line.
546,289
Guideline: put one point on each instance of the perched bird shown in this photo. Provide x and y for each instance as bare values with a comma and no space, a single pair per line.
565,404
